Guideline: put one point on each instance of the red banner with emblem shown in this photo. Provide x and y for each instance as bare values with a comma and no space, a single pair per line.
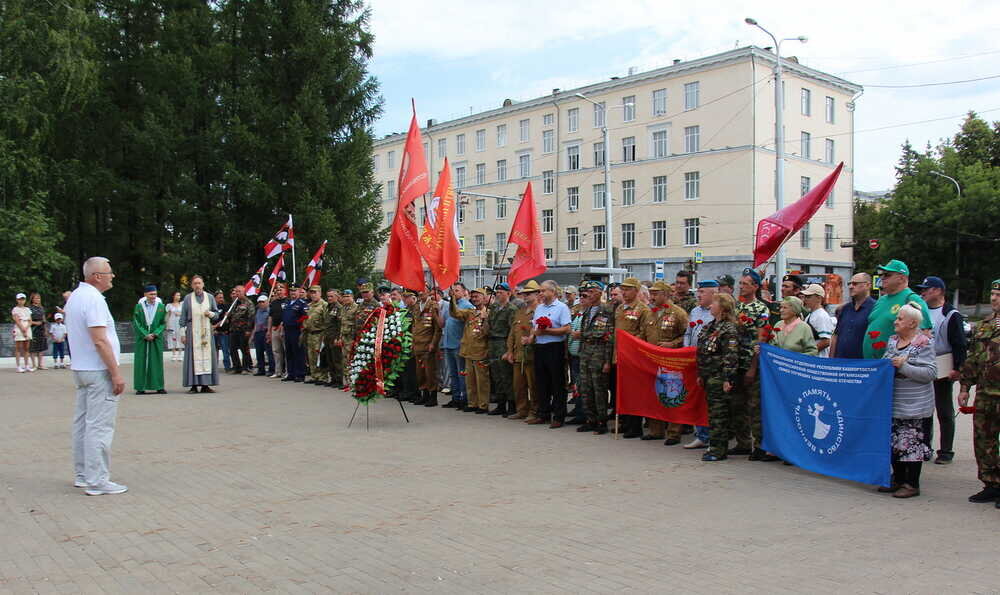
658,382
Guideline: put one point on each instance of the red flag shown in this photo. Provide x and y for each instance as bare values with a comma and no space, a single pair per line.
277,273
774,230
314,270
529,261
402,264
658,382
439,240
283,240
252,287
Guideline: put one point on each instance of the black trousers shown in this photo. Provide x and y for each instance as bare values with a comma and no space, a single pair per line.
946,414
550,380
265,356
239,351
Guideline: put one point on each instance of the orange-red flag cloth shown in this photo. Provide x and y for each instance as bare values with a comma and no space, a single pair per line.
402,264
439,240
529,261
658,382
772,231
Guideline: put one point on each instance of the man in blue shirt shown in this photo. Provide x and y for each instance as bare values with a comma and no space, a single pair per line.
550,356
852,319
292,314
265,356
451,340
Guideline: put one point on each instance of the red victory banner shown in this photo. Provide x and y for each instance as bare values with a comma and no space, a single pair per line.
529,261
314,270
283,240
252,287
402,263
439,240
658,382
772,231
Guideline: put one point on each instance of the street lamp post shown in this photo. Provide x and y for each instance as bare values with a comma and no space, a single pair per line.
958,189
781,263
608,216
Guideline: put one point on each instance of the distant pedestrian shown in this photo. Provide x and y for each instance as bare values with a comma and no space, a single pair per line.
201,359
149,319
57,333
99,382
20,315
265,355
39,334
173,327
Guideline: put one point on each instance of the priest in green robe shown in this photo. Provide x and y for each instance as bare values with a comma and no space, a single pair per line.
149,321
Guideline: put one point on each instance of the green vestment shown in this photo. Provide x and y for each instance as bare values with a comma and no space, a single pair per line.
147,367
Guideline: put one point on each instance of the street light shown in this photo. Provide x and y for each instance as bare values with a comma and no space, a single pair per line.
958,189
608,217
781,263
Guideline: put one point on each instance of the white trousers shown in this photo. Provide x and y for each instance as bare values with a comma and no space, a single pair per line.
93,425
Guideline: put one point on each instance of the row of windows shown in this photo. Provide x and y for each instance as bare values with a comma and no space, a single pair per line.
657,230
805,105
828,236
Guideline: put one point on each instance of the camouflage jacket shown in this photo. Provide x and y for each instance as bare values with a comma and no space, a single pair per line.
597,333
333,314
719,351
686,302
751,317
316,322
982,366
501,318
241,319
347,323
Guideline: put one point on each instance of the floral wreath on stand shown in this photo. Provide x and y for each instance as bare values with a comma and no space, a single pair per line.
380,353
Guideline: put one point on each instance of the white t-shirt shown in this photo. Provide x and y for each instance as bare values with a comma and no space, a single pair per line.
823,324
58,331
87,308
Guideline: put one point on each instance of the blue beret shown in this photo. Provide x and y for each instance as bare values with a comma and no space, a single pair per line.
749,272
502,286
148,288
708,283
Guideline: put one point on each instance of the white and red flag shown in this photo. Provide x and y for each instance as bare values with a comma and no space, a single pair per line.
252,287
283,240
314,270
402,263
277,273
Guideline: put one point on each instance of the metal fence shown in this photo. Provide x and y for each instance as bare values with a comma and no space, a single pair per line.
126,336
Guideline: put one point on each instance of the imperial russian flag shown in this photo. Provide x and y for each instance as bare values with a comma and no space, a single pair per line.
278,272
252,287
658,382
283,240
314,270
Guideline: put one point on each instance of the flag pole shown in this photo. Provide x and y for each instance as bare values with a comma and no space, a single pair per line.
294,268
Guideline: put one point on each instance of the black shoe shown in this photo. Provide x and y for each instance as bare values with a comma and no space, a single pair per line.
740,451
207,389
450,405
757,454
944,458
498,411
575,421
650,437
467,409
140,392
193,390
432,400
259,374
709,457
770,458
420,398
288,379
989,494
585,428
601,429
630,435
484,410
671,441
300,379
161,392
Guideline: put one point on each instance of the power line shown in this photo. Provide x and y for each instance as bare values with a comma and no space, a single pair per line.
982,78
897,66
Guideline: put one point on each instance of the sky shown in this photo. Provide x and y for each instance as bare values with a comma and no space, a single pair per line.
456,58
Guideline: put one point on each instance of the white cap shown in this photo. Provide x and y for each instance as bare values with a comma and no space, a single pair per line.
58,316
261,298
814,289
20,296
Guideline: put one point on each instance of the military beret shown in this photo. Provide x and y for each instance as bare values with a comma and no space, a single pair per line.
726,280
348,292
995,286
708,283
794,279
589,284
631,282
382,289
660,286
502,286
750,272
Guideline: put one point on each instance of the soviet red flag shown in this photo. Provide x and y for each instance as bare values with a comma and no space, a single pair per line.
529,261
439,240
402,263
658,382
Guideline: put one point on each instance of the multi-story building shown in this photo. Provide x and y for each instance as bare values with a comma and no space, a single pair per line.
691,152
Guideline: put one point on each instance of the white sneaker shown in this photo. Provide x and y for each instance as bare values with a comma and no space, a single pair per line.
21,370
29,369
696,443
108,487
80,483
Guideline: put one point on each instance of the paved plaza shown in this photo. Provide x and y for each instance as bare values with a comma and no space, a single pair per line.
262,487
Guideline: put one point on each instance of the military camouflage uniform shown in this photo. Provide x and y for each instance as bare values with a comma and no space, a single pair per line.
747,427
524,364
982,369
718,362
501,318
348,314
313,330
686,302
667,325
597,347
332,353
474,349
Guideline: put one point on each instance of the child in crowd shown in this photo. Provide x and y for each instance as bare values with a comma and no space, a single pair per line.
57,332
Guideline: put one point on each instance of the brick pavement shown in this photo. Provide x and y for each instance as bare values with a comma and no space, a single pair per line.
261,487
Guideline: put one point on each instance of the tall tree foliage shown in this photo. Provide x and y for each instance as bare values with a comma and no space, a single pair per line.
926,219
173,136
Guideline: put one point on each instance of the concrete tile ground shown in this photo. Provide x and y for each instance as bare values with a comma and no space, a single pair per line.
261,487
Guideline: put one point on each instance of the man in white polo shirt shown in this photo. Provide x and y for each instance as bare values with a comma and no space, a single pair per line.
99,381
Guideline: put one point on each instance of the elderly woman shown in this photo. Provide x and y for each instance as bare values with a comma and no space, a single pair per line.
912,402
792,332
718,361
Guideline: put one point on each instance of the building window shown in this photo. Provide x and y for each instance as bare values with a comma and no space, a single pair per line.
692,232
548,254
692,185
573,119
628,236
460,144
480,209
628,193
422,218
599,111
442,147
459,177
548,182
480,244
829,200
660,144
659,234
573,157
461,213
659,189
830,116
830,151
599,154
501,242
481,140
548,220
806,102
804,236
828,238
501,135
599,238
628,149
390,190
501,208
628,105
573,199
548,141
501,170
806,141
389,217
691,95
548,119
390,159
375,162
692,139
524,165
659,102
572,239
805,183
599,196
480,173
524,126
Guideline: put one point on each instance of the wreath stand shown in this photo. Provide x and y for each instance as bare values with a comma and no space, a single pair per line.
368,414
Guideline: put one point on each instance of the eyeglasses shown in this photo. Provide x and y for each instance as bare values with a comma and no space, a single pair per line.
857,283
105,273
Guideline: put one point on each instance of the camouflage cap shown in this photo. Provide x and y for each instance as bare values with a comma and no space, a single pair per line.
631,282
590,284
316,288
661,286
995,286
531,287
365,287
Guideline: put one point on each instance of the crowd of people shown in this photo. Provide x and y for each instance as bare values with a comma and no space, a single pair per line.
545,355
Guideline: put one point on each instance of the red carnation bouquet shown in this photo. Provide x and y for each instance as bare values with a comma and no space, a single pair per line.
392,352
543,322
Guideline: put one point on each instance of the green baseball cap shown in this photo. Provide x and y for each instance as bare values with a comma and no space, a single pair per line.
895,266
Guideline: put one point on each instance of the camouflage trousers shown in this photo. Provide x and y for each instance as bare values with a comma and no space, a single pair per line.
524,388
747,426
593,383
333,359
346,357
427,376
501,373
985,428
314,358
719,415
